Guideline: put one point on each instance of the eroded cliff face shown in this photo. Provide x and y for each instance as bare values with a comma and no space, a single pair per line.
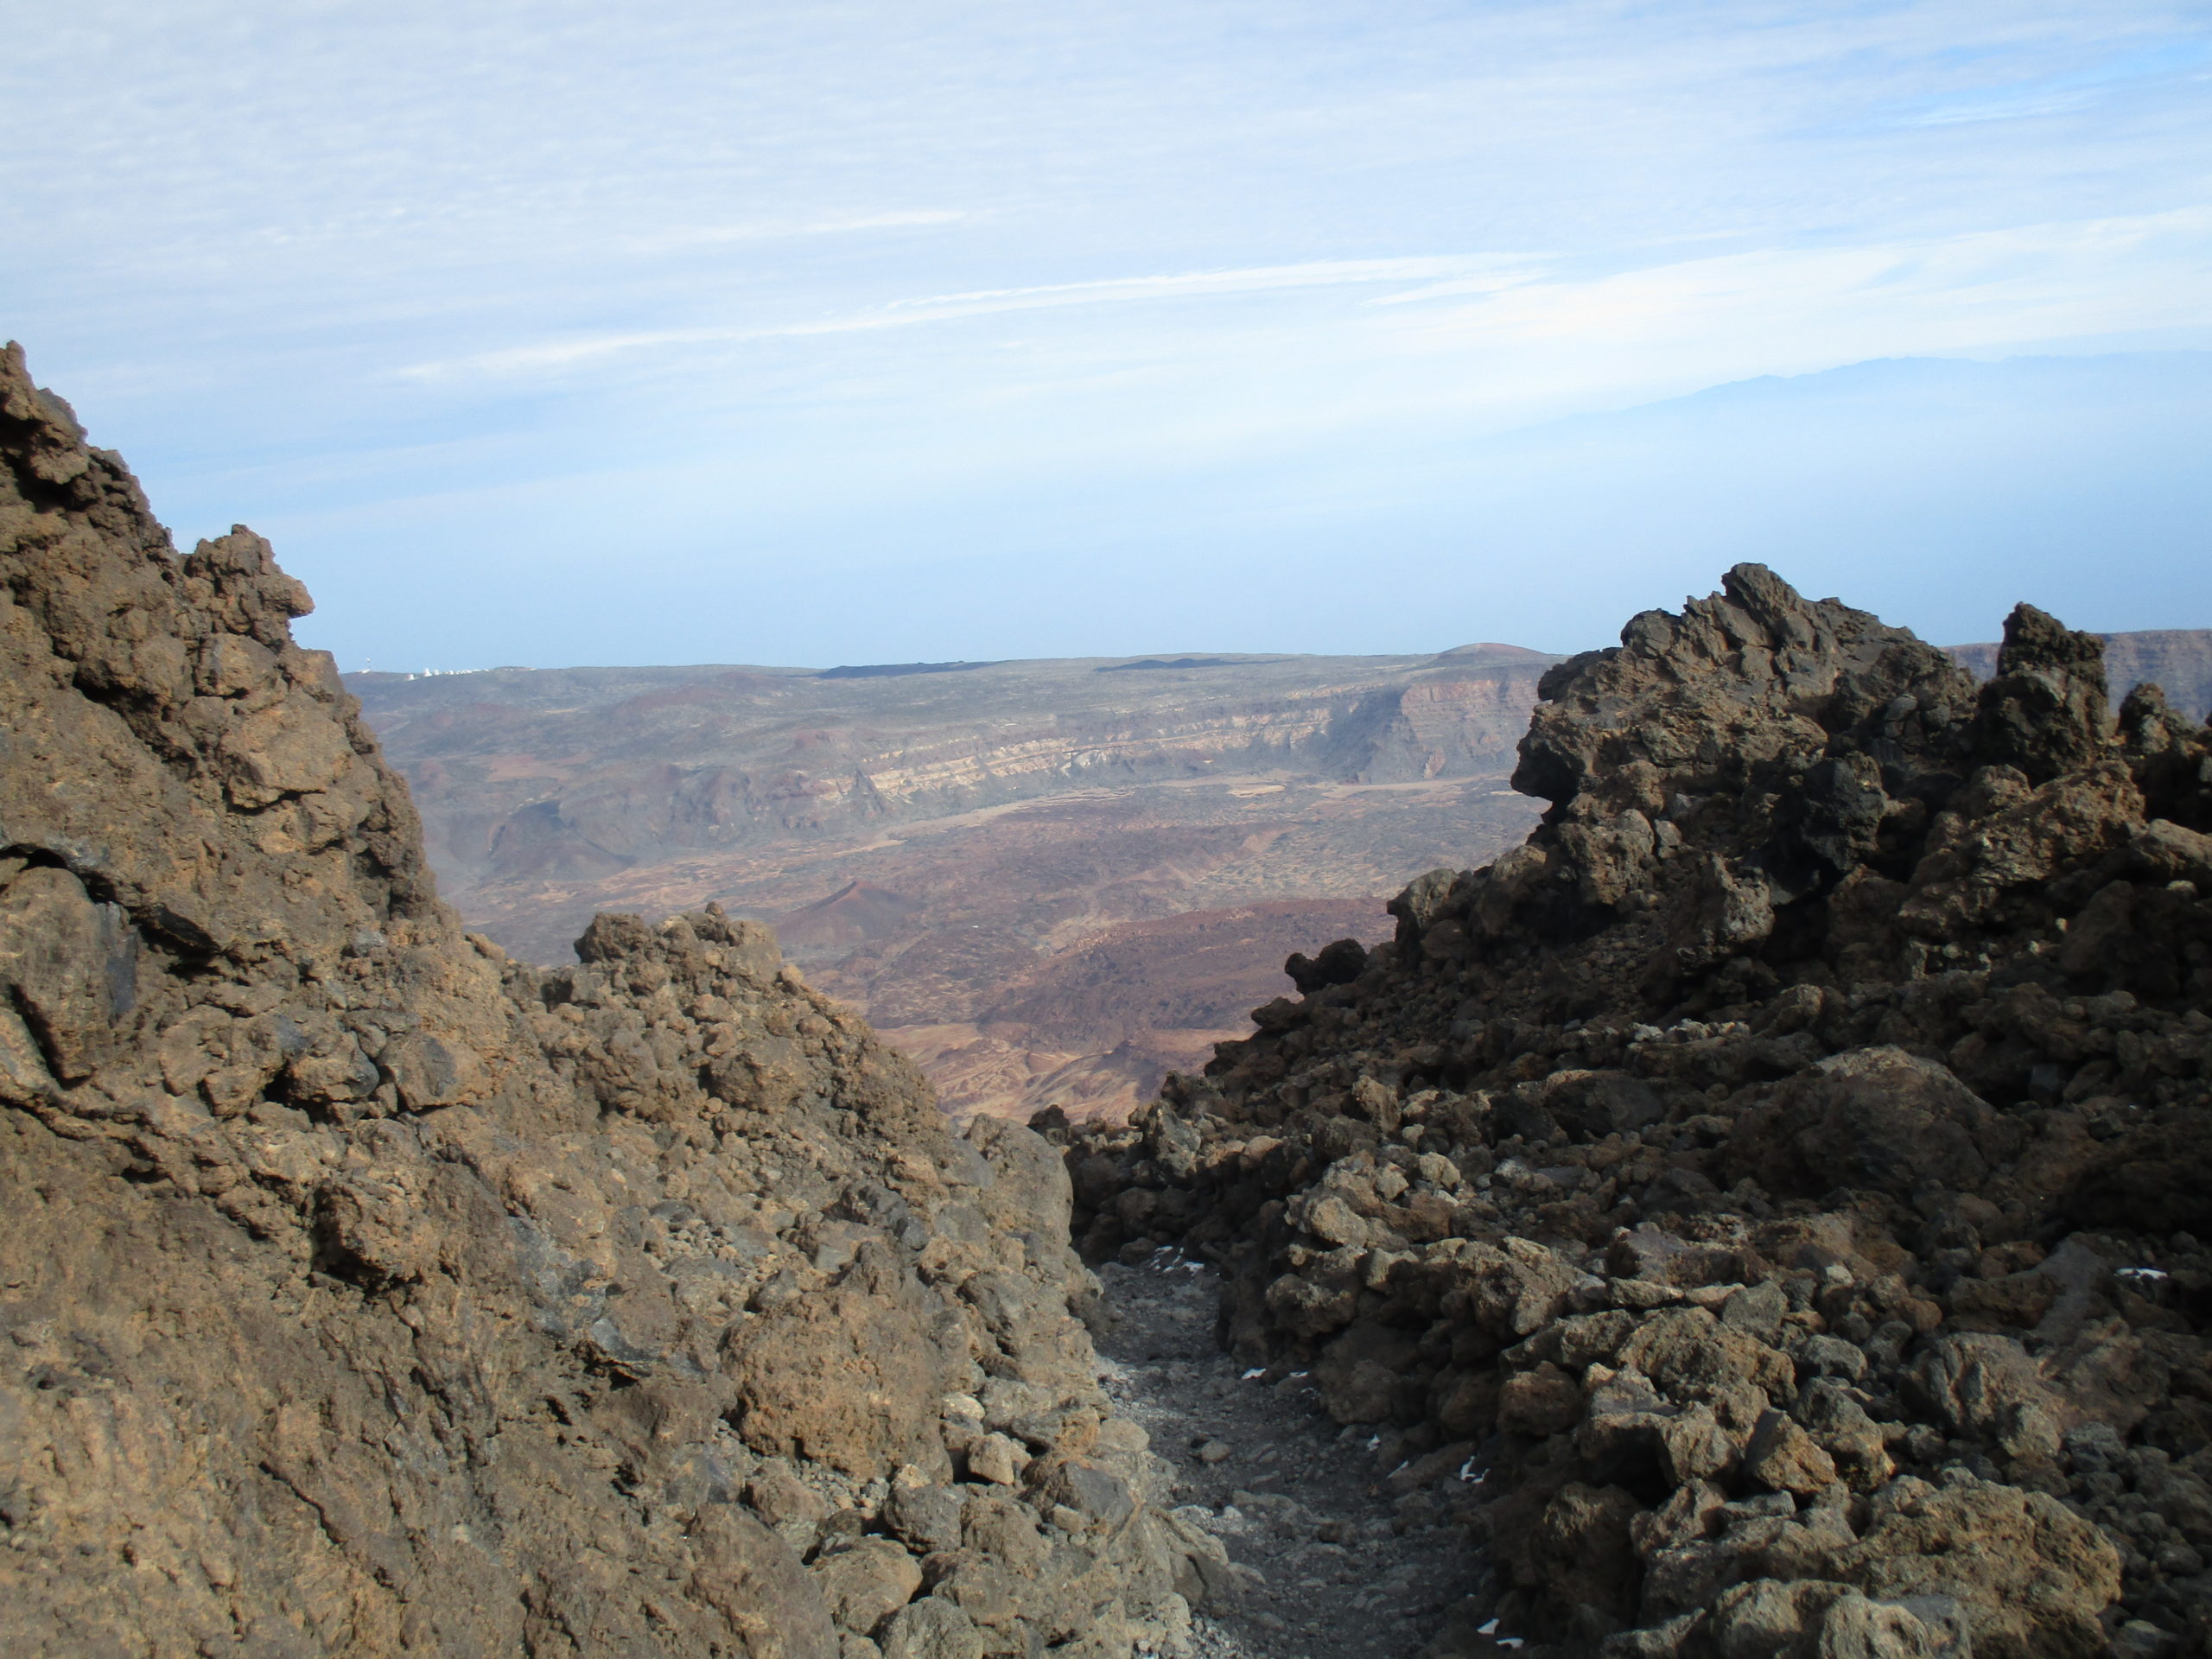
576,773
1784,1178
364,1291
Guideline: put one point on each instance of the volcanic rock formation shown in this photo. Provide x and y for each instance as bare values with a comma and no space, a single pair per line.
364,1291
2177,660
1786,1174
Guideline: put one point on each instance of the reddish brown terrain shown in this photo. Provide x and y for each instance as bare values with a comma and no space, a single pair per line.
1051,883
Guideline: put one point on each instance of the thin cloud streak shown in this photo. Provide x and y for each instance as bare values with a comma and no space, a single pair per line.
1323,274
1968,292
2141,272
705,236
984,302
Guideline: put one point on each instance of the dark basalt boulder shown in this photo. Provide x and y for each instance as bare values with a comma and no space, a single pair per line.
2045,712
1336,964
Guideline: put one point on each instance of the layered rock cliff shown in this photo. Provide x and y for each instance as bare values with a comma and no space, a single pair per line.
1769,1204
364,1291
578,772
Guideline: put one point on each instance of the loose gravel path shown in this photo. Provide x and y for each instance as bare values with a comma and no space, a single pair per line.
1336,1560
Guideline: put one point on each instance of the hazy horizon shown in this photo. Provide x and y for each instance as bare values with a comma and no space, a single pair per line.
2010,488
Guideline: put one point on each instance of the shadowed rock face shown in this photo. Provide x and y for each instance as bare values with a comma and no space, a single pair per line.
365,1291
1786,1174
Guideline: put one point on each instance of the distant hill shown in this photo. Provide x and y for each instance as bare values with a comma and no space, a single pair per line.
1491,655
1172,662
858,913
896,670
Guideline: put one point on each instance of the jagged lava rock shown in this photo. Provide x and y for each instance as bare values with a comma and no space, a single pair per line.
364,1291
1788,1169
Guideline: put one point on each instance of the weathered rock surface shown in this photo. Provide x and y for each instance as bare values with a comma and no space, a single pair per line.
1788,1170
364,1291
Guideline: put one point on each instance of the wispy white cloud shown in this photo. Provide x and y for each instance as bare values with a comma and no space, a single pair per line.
698,236
894,253
2024,282
1325,273
2181,62
983,303
1780,308
1506,271
2011,106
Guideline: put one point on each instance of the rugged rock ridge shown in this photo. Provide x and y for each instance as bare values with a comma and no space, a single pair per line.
364,1291
1783,1177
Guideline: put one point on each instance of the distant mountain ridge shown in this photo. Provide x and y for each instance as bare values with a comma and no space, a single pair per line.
1022,865
574,773
1173,662
896,671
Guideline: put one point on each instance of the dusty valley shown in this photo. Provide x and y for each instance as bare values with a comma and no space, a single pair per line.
1054,882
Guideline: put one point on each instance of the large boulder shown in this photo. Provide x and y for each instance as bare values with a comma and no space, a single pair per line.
2030,1575
1878,1118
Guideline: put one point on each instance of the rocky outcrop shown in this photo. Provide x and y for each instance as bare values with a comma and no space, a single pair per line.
1785,1179
2178,660
365,1291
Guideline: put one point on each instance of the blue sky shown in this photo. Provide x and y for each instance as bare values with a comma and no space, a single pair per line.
869,331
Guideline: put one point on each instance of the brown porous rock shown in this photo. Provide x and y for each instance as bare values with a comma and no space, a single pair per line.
363,1291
